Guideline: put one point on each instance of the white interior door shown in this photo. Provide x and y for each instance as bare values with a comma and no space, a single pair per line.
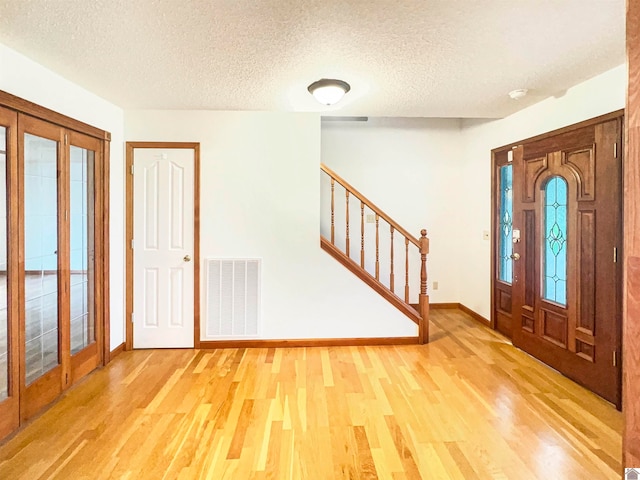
163,248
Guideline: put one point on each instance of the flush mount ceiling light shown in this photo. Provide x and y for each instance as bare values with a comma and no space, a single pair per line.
518,94
328,91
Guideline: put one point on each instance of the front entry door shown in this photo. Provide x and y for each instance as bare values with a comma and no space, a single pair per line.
567,239
163,247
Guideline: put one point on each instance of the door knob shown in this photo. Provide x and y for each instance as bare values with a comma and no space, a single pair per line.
515,256
187,258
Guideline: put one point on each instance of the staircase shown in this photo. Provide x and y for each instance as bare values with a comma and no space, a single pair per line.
366,263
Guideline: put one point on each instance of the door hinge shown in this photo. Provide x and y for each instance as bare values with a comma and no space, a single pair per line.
131,170
615,254
615,358
66,139
615,150
132,244
132,317
66,379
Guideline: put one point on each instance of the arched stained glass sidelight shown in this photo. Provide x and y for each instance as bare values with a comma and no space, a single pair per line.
555,241
505,244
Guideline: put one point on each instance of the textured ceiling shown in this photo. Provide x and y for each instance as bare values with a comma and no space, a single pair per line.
430,58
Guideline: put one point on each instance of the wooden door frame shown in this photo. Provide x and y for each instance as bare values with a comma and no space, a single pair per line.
129,199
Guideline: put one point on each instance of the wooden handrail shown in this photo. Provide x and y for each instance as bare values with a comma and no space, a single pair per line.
419,315
369,204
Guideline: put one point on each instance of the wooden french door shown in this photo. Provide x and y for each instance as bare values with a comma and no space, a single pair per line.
59,338
41,243
53,256
566,244
9,304
86,335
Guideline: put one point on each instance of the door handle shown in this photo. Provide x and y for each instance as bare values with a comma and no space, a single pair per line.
187,258
515,256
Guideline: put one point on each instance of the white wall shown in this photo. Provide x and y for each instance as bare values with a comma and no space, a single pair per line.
24,78
409,167
260,199
597,96
261,182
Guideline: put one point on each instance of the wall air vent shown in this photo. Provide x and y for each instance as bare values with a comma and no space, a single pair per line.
232,308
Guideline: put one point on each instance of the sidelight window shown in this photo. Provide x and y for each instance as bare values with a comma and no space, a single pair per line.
555,241
505,247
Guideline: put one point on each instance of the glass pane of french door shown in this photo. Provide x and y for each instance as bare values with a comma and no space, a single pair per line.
4,326
40,256
83,332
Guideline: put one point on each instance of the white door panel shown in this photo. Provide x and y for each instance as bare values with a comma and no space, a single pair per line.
163,248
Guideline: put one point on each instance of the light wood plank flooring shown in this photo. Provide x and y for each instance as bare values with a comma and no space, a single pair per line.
466,406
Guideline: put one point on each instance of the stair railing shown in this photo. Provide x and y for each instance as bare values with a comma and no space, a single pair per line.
421,244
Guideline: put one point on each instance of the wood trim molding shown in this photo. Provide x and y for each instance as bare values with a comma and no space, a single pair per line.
493,236
476,316
106,292
117,351
443,306
459,306
21,105
363,275
130,147
560,131
369,204
128,219
631,254
196,245
310,342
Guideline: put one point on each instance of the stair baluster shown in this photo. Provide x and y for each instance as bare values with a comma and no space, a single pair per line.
362,234
347,232
406,270
333,231
418,313
377,248
391,277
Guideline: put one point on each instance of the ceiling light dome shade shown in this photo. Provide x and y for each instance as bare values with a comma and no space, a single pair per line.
328,91
518,94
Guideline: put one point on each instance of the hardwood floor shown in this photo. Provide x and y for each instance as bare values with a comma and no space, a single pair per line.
466,406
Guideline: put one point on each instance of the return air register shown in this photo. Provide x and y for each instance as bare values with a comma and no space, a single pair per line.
232,298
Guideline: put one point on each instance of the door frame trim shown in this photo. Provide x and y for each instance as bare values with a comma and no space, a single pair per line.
130,147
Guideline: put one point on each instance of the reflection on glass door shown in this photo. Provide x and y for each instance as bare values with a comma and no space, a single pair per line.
40,256
4,325
83,332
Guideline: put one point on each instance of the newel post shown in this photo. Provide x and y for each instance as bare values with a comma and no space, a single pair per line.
423,328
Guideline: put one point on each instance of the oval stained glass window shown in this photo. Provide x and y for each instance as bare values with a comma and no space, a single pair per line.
555,241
